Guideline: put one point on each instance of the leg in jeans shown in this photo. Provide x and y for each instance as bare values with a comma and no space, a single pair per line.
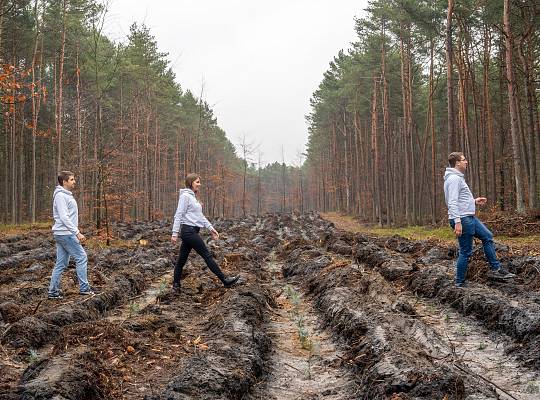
185,248
485,235
62,260
81,264
198,244
465,247
75,250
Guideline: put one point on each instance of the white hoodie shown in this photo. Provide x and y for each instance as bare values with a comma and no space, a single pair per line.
189,212
65,212
458,196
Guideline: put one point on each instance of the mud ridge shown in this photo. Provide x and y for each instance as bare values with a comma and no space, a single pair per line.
385,360
235,358
517,318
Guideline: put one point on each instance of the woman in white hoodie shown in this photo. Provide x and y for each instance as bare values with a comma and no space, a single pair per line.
188,220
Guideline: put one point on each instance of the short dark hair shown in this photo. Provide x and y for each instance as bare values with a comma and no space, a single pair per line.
63,176
454,157
190,178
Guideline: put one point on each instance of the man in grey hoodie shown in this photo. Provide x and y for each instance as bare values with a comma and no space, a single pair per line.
67,236
461,214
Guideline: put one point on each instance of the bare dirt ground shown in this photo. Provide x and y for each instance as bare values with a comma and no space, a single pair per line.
320,313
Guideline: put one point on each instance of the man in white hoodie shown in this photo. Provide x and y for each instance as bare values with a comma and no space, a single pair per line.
67,236
461,214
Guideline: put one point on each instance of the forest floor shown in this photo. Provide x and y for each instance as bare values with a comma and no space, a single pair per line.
520,232
324,310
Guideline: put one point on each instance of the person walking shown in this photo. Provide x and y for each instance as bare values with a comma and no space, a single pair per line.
188,221
461,214
67,236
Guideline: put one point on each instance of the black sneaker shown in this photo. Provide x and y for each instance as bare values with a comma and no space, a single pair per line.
501,273
231,280
55,296
462,285
176,288
88,292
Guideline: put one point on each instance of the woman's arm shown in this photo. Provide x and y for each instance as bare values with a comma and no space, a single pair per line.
183,203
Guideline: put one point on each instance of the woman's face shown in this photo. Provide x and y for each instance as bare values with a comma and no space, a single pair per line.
196,185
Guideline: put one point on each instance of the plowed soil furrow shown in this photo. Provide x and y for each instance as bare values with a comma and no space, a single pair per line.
499,307
386,356
514,315
319,313
476,350
304,363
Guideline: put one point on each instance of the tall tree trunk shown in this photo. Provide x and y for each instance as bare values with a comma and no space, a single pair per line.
431,124
78,127
512,103
59,99
488,118
36,102
375,170
346,158
386,129
532,134
410,131
452,142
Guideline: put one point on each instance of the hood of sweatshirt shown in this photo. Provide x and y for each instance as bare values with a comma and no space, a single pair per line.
60,189
452,171
188,191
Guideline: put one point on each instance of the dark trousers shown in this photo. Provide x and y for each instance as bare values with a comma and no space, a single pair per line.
191,240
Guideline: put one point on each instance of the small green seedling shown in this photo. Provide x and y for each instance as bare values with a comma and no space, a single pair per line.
33,356
532,387
163,286
134,308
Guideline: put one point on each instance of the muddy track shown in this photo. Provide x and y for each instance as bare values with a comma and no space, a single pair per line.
386,269
135,338
319,313
505,307
305,361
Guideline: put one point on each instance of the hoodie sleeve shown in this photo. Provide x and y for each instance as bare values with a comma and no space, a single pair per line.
453,196
183,203
61,204
206,223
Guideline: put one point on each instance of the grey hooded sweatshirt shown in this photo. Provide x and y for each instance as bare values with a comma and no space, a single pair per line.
189,212
458,196
65,212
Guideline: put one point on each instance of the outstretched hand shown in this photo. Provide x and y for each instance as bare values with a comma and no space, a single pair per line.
480,201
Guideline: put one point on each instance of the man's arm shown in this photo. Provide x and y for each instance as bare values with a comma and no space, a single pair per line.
453,199
453,206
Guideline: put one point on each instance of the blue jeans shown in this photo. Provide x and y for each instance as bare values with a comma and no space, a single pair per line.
69,246
472,227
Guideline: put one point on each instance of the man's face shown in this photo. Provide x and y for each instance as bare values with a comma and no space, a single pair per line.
70,183
461,165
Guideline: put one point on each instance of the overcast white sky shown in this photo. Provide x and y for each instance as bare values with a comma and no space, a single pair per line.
260,61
